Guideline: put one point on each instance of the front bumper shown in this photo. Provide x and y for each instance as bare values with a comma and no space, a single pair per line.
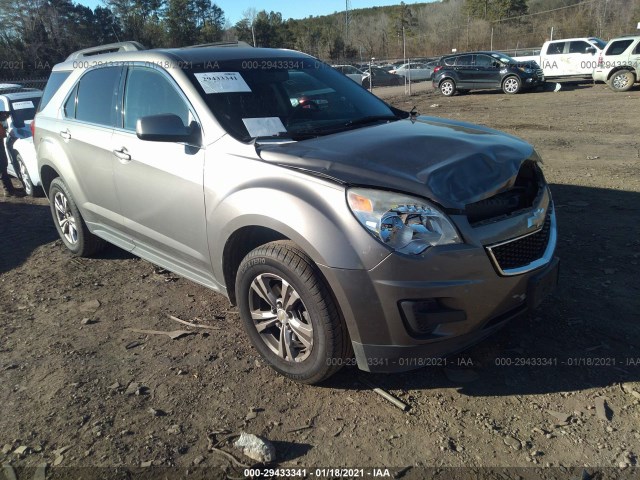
408,311
600,75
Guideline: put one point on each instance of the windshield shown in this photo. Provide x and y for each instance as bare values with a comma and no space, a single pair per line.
503,58
289,97
23,110
600,43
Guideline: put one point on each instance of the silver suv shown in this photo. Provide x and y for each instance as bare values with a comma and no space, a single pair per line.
342,227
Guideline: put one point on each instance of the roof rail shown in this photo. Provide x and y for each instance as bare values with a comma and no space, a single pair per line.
109,48
238,43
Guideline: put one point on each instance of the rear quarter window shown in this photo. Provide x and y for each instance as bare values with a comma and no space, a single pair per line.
53,84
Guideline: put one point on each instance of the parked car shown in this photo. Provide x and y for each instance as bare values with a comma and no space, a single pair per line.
380,78
339,225
618,63
567,58
430,67
388,67
485,70
350,71
21,103
413,71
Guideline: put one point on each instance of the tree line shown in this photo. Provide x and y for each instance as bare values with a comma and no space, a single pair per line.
37,34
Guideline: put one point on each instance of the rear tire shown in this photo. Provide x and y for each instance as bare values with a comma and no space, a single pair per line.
71,226
621,81
29,188
447,87
289,313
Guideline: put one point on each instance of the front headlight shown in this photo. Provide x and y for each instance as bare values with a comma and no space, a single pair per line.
406,224
525,70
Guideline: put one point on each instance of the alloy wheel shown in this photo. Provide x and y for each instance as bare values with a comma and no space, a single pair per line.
280,317
65,218
511,85
26,179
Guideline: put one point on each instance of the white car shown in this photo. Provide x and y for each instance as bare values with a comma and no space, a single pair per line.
22,104
352,72
414,71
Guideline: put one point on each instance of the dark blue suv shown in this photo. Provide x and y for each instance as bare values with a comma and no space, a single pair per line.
485,70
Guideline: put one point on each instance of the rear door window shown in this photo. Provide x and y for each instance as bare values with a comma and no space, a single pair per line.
556,48
636,51
464,61
97,94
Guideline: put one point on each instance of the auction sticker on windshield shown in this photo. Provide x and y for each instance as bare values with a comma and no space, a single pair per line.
264,127
22,105
222,82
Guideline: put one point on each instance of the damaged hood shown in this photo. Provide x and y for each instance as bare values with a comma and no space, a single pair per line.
452,163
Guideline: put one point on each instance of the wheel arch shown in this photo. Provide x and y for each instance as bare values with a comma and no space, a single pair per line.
511,75
448,77
248,238
622,67
237,246
47,175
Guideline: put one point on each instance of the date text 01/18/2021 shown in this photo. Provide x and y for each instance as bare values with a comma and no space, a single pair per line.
331,472
567,362
405,362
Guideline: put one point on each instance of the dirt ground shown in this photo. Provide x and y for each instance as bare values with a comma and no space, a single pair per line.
561,389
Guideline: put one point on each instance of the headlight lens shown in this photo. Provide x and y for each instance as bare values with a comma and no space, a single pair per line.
406,224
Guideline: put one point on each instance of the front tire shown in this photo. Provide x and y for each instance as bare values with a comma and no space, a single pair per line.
29,188
621,81
511,85
289,314
448,87
71,227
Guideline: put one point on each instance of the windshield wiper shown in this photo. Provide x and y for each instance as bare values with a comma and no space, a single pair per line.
370,119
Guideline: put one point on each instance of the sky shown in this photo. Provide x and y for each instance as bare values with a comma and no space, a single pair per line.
288,8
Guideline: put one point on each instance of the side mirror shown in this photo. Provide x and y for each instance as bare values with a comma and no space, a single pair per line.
590,50
167,127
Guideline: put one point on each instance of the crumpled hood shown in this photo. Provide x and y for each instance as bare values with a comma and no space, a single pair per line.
452,163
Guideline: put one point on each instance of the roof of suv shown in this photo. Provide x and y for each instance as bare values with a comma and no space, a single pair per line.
186,55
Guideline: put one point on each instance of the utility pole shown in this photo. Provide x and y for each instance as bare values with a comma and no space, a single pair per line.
347,20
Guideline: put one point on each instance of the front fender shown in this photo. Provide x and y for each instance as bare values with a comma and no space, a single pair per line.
311,212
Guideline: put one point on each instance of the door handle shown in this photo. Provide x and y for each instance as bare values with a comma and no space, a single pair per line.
122,154
66,134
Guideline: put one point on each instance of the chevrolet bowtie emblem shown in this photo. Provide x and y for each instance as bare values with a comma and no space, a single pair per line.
536,219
